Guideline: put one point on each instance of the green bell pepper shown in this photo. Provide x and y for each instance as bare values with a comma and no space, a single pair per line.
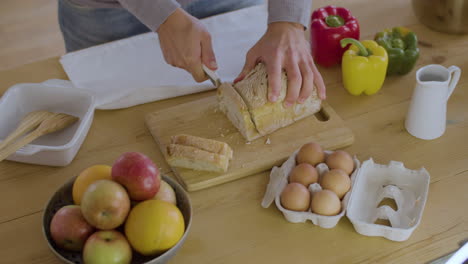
401,45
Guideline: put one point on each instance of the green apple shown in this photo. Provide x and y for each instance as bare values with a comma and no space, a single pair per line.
69,228
107,247
105,204
166,193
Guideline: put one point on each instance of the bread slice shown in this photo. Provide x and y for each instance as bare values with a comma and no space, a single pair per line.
267,116
209,145
197,159
233,106
247,107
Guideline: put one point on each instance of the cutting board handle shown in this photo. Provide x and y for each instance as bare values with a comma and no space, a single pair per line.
323,115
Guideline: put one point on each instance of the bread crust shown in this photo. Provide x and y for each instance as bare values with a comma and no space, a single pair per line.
209,145
194,158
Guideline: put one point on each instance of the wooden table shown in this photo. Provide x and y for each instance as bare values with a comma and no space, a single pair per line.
229,225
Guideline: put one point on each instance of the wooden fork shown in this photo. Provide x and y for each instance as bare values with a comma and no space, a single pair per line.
53,123
29,122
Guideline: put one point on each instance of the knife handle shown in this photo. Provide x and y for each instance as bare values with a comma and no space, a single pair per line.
211,75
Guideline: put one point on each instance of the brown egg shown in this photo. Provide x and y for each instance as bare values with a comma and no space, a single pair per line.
304,174
295,197
341,160
337,181
311,153
325,202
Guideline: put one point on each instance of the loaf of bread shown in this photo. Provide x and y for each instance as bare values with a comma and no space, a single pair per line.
197,153
247,107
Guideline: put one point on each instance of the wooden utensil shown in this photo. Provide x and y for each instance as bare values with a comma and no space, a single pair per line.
55,122
29,122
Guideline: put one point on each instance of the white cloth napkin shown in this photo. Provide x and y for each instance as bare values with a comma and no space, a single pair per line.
132,71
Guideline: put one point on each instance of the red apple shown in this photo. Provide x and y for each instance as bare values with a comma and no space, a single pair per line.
105,204
109,247
138,174
69,228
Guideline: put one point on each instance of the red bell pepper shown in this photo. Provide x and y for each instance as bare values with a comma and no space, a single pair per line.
329,25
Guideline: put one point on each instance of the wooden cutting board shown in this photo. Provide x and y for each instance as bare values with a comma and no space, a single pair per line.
203,119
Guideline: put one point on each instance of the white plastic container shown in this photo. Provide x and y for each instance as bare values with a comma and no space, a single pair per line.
370,184
55,149
279,180
375,182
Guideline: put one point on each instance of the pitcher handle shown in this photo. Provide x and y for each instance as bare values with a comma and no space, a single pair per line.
454,79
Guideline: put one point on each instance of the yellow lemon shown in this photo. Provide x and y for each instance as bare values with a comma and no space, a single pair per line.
154,226
88,176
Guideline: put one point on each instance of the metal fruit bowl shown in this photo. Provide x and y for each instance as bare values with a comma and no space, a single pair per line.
63,196
449,16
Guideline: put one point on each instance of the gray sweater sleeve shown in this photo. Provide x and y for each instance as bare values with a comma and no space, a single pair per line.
297,11
152,13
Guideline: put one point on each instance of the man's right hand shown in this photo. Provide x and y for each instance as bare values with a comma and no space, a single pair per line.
186,44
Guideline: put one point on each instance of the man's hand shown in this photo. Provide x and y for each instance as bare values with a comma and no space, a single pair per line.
186,44
284,46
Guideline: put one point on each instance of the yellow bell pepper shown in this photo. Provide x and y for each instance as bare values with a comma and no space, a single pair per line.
364,66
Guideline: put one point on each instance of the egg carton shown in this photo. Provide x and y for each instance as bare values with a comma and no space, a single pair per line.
374,183
370,184
279,180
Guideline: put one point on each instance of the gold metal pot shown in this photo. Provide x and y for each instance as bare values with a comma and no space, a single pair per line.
450,16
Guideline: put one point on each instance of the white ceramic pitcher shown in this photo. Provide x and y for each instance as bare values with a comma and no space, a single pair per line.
426,116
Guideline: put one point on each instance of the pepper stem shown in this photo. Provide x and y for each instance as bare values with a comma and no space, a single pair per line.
334,21
362,50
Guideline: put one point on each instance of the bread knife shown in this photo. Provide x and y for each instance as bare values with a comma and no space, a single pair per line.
212,76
